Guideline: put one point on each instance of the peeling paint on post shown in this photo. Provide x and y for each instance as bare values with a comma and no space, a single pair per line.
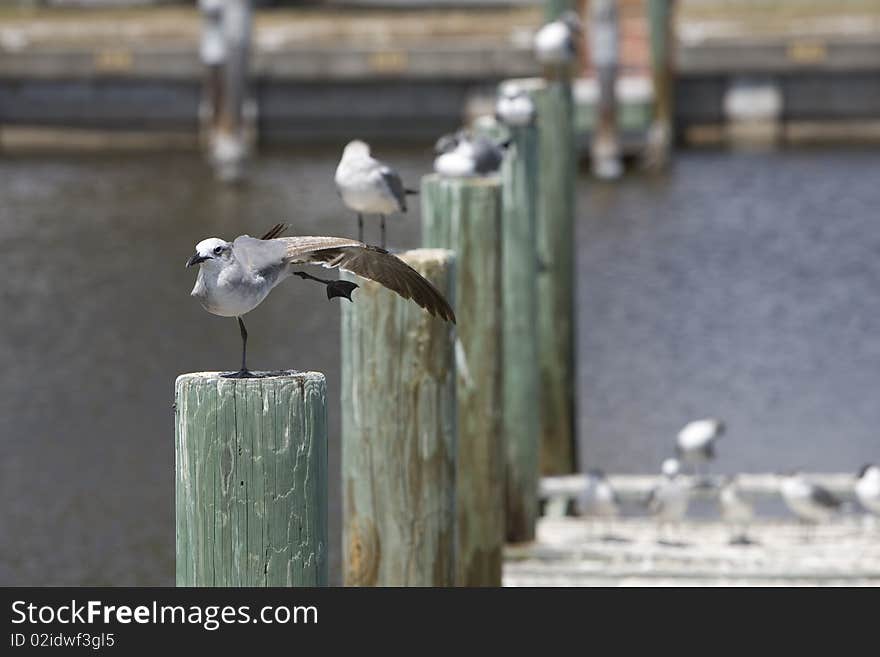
399,434
251,480
465,215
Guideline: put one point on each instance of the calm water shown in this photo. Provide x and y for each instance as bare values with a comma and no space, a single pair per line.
740,285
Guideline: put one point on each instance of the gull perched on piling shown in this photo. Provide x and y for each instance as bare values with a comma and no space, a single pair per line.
514,106
234,277
695,443
369,186
868,488
810,502
463,155
669,499
556,43
735,510
598,499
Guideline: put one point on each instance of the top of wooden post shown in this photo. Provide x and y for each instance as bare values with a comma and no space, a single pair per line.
273,376
416,258
492,180
529,85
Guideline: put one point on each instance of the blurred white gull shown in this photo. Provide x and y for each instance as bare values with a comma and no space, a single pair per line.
695,443
868,488
735,510
369,186
514,106
557,41
669,499
598,499
462,155
810,502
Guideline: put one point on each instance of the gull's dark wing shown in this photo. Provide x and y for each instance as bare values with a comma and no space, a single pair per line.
487,154
395,185
370,262
275,231
824,497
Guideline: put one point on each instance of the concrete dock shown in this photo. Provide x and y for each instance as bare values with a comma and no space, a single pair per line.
634,551
578,552
322,72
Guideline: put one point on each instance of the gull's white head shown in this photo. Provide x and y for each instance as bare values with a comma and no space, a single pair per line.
514,106
869,471
448,143
670,468
356,148
211,252
572,20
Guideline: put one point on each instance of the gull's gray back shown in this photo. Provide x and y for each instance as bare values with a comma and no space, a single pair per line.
262,258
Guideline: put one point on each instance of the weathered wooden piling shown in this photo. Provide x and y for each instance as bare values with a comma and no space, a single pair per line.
251,480
661,21
519,202
399,434
212,53
605,150
554,8
555,237
465,216
225,52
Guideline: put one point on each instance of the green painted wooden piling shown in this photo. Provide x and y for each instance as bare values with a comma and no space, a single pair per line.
251,480
557,164
519,201
553,8
465,216
661,133
399,434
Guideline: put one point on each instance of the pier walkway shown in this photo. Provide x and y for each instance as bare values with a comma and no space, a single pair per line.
323,71
578,552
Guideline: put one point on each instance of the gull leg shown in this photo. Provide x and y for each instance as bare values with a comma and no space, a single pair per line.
383,230
334,288
360,227
243,373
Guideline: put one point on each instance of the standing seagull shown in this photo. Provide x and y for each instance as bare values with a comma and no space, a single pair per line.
810,502
462,155
669,499
556,43
369,186
868,488
234,277
735,510
598,499
695,443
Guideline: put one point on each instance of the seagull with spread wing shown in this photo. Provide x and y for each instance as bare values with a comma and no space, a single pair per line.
234,277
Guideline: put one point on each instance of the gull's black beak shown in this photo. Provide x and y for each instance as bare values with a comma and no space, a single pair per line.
195,259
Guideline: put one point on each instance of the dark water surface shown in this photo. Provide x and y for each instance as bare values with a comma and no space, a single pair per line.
742,285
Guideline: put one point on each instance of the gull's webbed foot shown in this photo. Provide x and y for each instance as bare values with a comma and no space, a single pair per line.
241,374
341,289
